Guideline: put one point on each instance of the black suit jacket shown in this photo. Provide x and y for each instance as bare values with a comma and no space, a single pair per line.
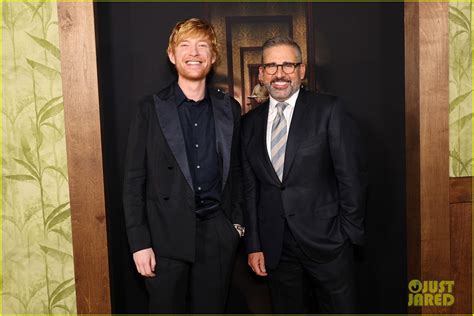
158,194
323,191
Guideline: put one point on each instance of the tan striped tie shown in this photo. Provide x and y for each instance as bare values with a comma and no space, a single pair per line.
279,137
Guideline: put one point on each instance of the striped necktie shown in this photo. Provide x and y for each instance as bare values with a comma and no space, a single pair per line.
279,136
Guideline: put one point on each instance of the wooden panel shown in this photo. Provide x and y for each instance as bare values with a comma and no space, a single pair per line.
427,99
461,256
460,190
81,111
434,140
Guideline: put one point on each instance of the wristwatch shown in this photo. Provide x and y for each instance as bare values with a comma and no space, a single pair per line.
240,229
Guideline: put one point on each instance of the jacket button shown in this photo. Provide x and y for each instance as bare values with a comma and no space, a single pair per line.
170,167
282,188
166,198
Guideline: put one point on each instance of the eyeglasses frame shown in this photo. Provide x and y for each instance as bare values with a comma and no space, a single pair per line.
295,65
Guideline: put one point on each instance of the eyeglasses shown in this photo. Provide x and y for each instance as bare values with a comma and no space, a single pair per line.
287,68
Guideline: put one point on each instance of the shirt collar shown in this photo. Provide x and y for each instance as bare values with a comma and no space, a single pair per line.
180,97
291,100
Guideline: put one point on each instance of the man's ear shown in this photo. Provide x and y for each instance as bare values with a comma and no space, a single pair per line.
260,74
214,58
171,56
302,71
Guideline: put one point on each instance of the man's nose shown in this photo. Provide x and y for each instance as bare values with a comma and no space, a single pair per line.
280,73
193,50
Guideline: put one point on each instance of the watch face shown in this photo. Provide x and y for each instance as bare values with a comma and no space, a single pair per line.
240,229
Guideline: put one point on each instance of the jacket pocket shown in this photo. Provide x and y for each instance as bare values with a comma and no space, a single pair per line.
328,210
312,143
158,197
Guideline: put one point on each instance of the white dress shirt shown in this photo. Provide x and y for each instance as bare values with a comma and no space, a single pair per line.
272,112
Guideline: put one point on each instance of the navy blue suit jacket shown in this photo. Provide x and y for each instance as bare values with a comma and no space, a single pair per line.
323,192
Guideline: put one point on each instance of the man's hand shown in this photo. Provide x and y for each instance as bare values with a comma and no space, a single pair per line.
145,262
257,262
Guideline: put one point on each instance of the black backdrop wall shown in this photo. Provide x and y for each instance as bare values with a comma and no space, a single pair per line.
359,56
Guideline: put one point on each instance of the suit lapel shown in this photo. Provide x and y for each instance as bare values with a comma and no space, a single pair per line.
224,125
168,117
297,131
262,142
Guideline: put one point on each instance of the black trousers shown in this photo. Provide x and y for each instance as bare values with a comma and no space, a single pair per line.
297,281
200,286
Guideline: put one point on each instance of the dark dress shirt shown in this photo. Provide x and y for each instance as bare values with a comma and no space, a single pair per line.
197,123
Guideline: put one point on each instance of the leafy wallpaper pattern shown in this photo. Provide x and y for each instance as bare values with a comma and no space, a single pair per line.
460,89
38,271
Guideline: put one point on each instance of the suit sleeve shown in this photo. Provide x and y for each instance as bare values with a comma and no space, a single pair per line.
250,184
135,176
236,170
348,156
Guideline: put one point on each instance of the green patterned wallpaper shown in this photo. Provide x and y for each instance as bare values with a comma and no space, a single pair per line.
460,89
38,271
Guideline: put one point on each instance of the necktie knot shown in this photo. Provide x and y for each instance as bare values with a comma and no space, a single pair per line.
281,106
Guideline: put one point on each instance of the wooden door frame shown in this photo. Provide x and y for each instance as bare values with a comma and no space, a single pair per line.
438,210
84,156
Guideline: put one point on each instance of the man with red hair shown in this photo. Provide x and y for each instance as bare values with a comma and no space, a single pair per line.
182,182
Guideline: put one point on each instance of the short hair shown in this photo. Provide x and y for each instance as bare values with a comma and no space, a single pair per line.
282,40
193,27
